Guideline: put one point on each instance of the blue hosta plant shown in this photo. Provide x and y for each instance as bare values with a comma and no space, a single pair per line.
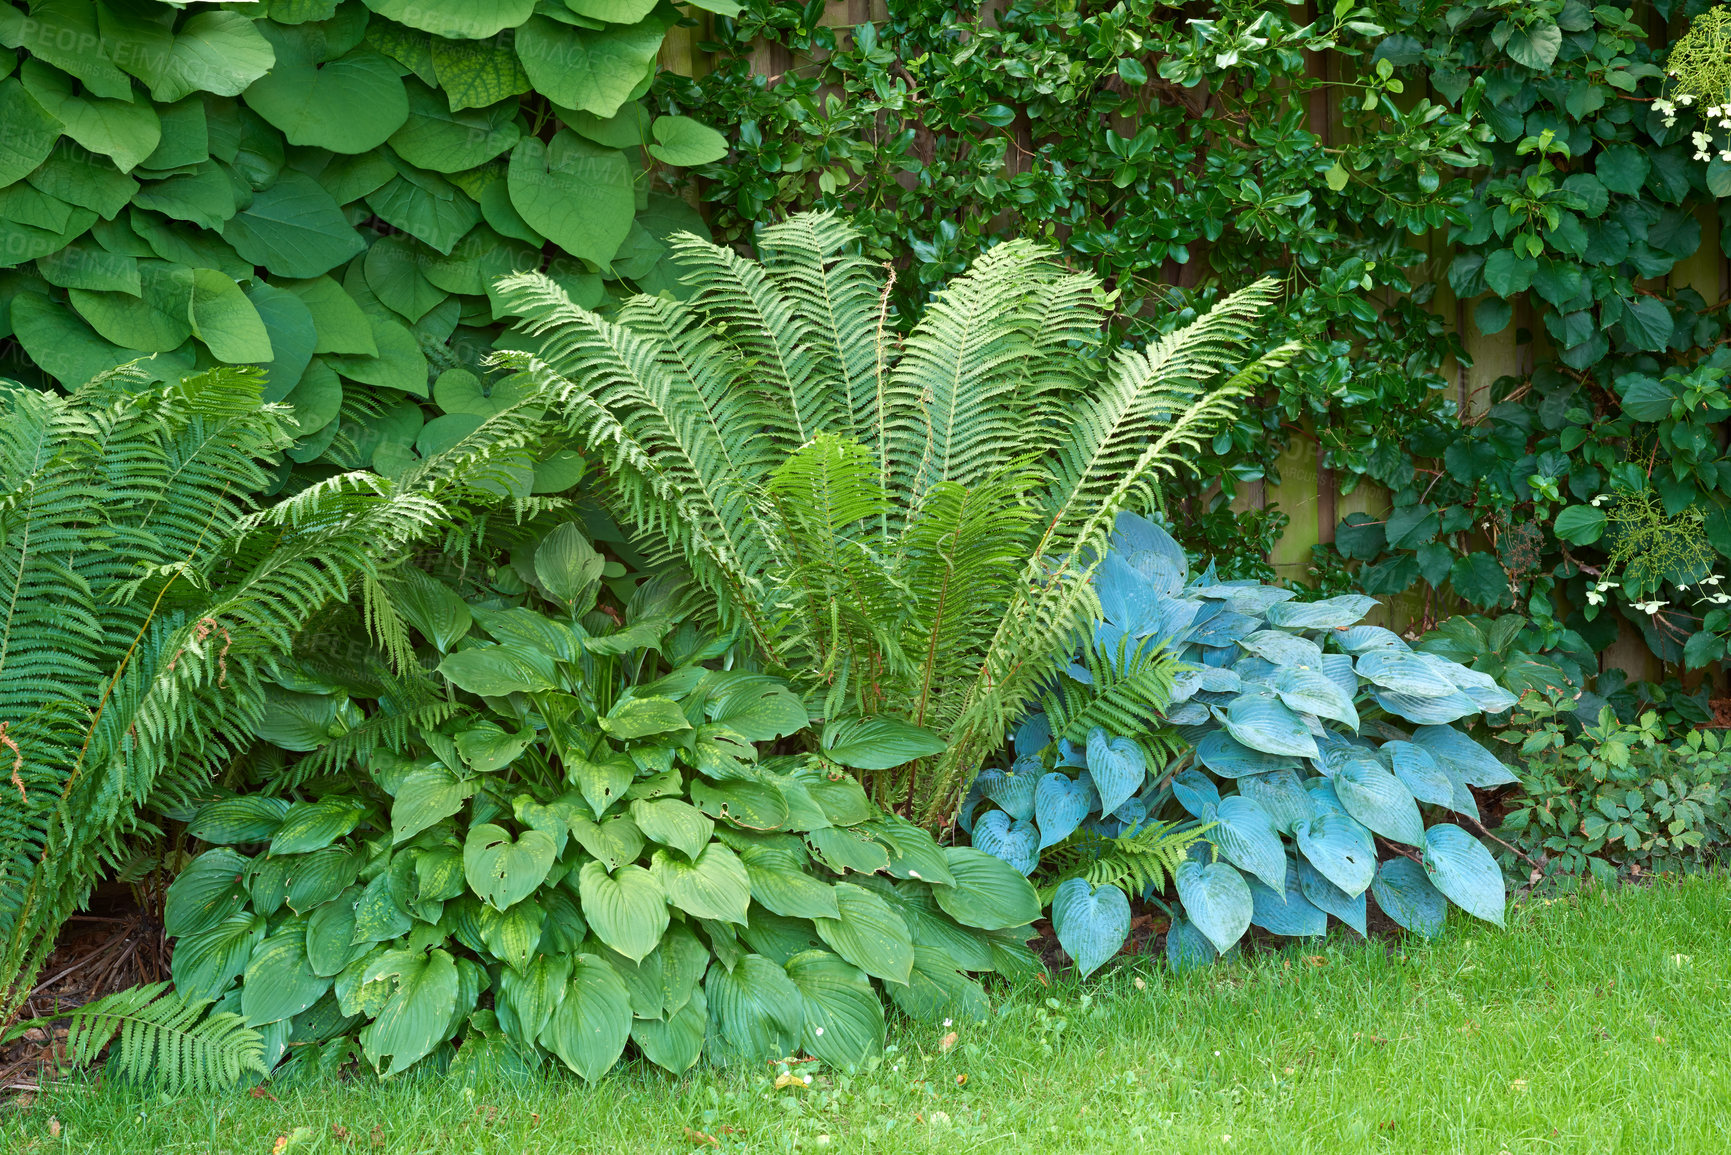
1276,759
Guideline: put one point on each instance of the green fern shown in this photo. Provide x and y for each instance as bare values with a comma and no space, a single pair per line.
1134,863
900,521
155,1036
1127,692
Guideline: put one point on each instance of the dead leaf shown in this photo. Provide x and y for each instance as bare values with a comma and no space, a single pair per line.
378,1136
948,1041
961,1080
1140,985
280,1145
1316,960
699,1139
339,1132
53,1127
261,1093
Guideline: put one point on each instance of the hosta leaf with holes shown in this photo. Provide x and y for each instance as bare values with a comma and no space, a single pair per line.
1463,870
844,1020
1248,838
868,933
427,796
1379,800
1340,849
1091,925
1404,892
1216,900
503,870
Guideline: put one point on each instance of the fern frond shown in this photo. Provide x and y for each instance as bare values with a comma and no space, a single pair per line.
1127,692
1136,863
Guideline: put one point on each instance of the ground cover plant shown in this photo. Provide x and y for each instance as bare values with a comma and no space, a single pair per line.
327,189
897,522
1302,744
1341,1046
567,804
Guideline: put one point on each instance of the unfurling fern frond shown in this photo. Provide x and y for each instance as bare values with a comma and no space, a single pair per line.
1126,692
1136,863
153,1036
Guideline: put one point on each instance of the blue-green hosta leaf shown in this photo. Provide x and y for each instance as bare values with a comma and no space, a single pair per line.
1091,924
627,910
417,1015
1245,597
1338,669
1461,800
1223,629
244,818
937,990
1283,649
205,964
1229,758
495,671
1217,900
1426,711
881,743
1419,772
1262,722
1117,766
1033,735
1460,867
1209,678
1060,804
1017,843
1404,672
1282,795
1379,800
1322,796
1328,614
312,825
1011,789
1364,639
1149,548
1312,691
714,886
1187,948
760,1011
1247,837
1195,791
1453,749
988,894
1340,848
280,982
1326,896
1286,911
1405,894
589,1027
503,870
844,1018
1480,687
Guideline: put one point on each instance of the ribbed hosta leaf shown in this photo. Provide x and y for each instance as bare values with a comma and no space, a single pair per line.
1379,800
1340,849
1091,924
1264,723
1217,900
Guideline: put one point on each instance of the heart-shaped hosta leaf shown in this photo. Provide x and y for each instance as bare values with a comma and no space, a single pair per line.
1262,722
280,982
205,964
417,1015
498,670
759,1009
1338,669
1117,766
1195,791
1376,798
1419,772
315,878
432,607
1312,691
869,934
1016,843
1323,799
1286,911
1362,639
427,796
1060,804
1328,614
850,850
615,842
1475,764
1229,758
1091,924
209,890
1283,649
503,870
674,823
589,1027
1405,894
627,910
713,886
513,935
247,818
1460,867
1217,900
937,990
1426,711
1325,896
914,854
1404,672
1247,837
379,912
675,1043
1282,795
1011,789
1033,735
311,825
1187,948
750,805
988,894
844,1018
489,746
1340,849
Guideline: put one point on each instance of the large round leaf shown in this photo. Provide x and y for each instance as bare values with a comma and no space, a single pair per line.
1376,798
868,933
1011,789
1091,924
1312,691
295,229
577,194
456,19
988,893
1060,804
627,910
589,1028
1341,849
503,870
1117,766
351,105
417,1016
760,1011
1017,843
584,70
1404,892
1216,900
713,886
1460,867
1247,837
844,1019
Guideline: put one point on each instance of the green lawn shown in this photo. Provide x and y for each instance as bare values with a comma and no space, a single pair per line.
1592,1025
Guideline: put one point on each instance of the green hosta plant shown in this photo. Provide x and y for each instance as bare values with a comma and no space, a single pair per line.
1320,764
563,831
1609,799
900,521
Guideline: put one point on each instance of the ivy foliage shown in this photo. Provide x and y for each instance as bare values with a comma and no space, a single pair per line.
328,190
568,803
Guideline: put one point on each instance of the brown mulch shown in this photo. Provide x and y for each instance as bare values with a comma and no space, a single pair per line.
113,945
1721,714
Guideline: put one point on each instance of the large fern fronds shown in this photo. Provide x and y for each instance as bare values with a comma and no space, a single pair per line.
1136,863
156,1037
1127,690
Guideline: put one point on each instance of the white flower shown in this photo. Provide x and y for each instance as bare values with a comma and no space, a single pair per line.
1601,500
1712,579
946,1022
1712,112
1665,107
1703,156
1650,608
1719,599
1670,122
1686,99
1605,585
1700,139
808,1080
1595,598
1725,154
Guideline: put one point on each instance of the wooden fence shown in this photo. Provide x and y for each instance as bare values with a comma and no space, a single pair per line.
1307,491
